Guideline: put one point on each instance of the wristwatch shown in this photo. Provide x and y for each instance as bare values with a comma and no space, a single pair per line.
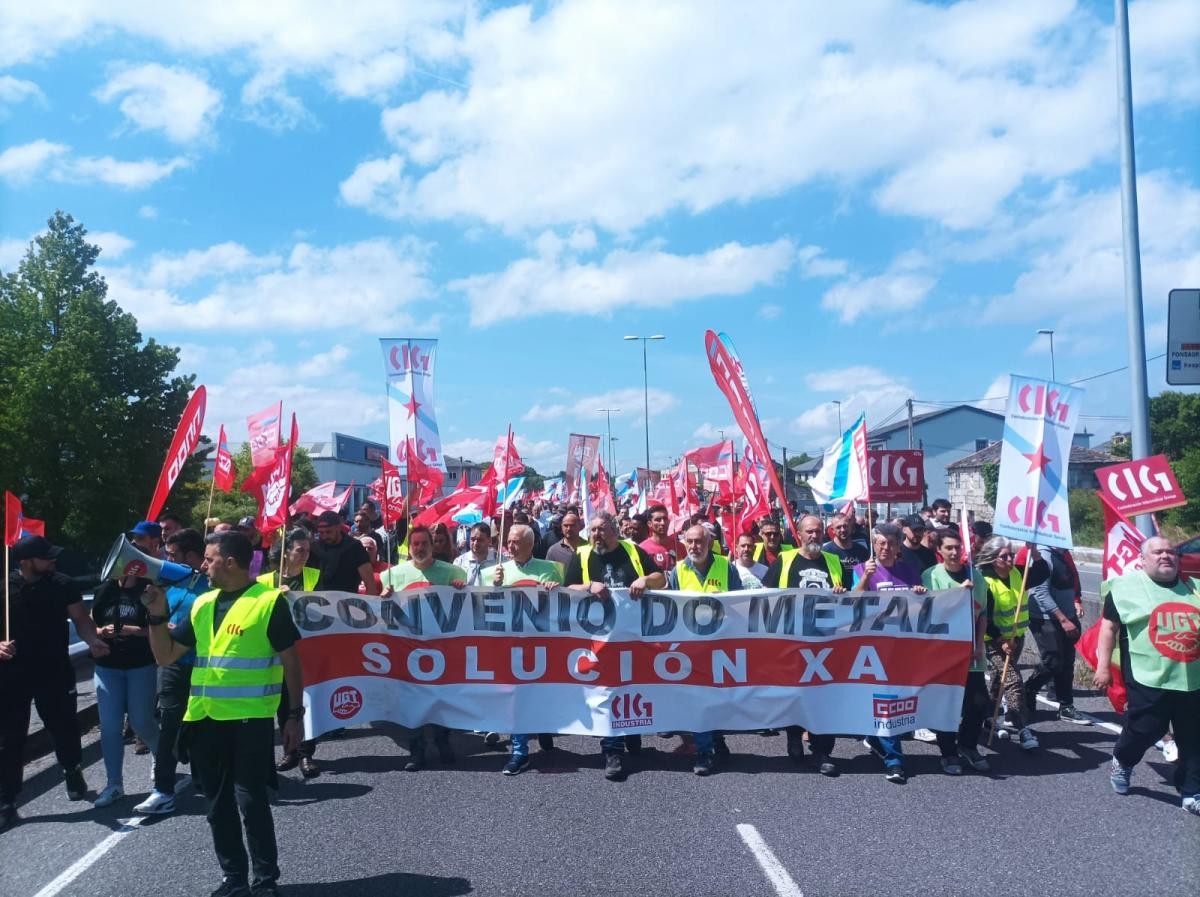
296,713
156,619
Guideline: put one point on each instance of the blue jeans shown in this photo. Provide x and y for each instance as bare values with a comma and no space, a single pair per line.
120,692
520,744
703,742
889,748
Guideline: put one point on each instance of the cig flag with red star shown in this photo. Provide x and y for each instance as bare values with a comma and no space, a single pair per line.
1031,495
409,367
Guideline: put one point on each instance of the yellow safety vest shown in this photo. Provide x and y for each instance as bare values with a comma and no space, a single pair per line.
716,580
761,547
832,561
1004,605
310,574
585,552
237,675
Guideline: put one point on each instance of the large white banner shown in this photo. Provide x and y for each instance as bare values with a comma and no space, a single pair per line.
409,365
527,659
1031,495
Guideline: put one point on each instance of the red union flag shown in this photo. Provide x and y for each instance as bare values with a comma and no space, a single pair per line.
715,463
896,474
429,479
223,469
1140,487
752,480
581,464
731,380
187,434
322,497
265,429
1122,543
13,513
270,485
390,497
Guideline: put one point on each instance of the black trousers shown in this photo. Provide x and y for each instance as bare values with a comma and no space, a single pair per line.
234,762
174,683
1057,662
307,748
53,692
819,744
977,707
1148,713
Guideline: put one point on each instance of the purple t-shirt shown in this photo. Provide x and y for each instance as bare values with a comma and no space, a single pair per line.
898,576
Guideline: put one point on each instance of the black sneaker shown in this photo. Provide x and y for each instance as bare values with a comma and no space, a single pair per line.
720,746
896,775
827,767
1068,713
8,816
633,744
416,762
546,742
76,786
516,765
795,751
614,767
267,889
703,765
231,888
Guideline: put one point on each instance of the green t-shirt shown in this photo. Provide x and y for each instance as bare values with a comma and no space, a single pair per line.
939,578
404,574
547,572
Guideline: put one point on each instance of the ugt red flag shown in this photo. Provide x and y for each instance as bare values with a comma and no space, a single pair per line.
322,497
12,519
187,434
265,429
602,498
731,380
270,485
715,463
223,469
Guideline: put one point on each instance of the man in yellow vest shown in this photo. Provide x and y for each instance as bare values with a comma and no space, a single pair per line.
772,542
808,567
701,570
609,562
244,638
1155,613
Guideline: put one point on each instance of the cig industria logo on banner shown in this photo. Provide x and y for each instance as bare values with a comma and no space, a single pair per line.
894,712
630,711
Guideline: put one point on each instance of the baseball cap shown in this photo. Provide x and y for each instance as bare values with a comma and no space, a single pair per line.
246,523
915,521
32,548
147,528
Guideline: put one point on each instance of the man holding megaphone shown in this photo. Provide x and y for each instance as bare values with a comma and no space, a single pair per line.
244,638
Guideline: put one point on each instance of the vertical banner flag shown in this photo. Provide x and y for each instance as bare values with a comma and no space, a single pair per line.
581,463
265,431
391,503
187,434
602,497
13,512
731,380
844,475
409,365
270,485
753,482
1031,495
223,469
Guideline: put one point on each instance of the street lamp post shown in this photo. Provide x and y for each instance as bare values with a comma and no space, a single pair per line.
646,388
839,408
608,413
1050,333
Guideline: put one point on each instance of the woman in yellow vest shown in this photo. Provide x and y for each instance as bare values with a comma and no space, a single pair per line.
297,577
1006,623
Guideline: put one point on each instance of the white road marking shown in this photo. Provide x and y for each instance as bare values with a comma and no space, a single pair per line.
1110,727
89,859
768,862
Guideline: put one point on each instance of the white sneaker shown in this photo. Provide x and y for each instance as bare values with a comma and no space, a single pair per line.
1170,750
925,735
157,804
1028,740
110,795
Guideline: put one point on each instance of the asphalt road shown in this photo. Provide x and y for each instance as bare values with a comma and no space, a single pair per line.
1045,822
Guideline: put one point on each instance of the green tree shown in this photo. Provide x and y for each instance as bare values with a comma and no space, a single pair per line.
797,460
1087,517
87,408
991,479
233,505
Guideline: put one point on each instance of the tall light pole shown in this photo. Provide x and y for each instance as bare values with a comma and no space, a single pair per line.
839,407
1050,333
608,413
1134,321
646,388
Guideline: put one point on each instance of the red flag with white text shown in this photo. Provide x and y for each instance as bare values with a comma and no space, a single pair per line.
224,472
187,434
322,497
602,497
265,428
270,485
390,495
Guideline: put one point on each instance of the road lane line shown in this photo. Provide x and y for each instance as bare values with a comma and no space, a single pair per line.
89,859
768,862
1111,727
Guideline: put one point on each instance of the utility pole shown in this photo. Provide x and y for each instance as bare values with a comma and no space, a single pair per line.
785,476
1134,320
910,422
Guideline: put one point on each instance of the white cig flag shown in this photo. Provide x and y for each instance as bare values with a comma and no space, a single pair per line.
409,366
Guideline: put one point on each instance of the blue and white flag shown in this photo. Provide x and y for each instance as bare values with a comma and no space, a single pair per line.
627,485
843,473
506,494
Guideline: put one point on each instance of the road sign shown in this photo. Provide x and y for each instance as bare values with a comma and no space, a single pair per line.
1140,487
1183,338
896,474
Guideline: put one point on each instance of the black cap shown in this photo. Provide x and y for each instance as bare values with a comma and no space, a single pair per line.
915,521
33,548
246,523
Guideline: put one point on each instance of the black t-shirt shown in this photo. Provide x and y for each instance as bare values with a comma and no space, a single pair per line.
919,558
38,617
281,628
959,575
804,574
612,568
851,557
113,604
339,564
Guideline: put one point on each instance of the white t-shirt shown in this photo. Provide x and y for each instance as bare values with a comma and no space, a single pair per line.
752,575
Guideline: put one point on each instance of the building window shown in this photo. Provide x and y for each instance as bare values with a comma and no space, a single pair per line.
981,444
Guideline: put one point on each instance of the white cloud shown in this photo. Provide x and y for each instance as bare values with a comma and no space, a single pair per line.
630,401
173,100
770,312
364,286
709,433
21,163
860,389
148,212
129,175
544,455
813,262
903,286
644,278
112,244
11,253
846,379
15,90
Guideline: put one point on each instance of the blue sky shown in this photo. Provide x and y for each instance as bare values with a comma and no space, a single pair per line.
875,202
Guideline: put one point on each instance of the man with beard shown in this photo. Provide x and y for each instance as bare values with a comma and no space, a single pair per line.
1154,613
342,561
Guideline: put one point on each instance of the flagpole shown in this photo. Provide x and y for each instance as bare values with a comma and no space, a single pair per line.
7,637
211,488
500,547
1008,657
